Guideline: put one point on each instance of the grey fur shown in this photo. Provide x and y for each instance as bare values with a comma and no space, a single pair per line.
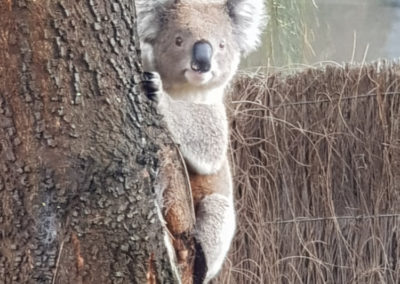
201,131
249,19
193,103
148,14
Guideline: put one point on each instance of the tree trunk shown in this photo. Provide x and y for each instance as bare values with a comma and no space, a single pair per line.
78,147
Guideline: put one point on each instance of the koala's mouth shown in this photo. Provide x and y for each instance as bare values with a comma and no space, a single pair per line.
198,78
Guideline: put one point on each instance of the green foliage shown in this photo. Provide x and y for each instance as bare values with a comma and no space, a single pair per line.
289,35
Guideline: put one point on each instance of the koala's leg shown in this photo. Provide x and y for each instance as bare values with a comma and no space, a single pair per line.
215,218
214,230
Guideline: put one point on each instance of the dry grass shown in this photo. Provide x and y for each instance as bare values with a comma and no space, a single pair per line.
317,173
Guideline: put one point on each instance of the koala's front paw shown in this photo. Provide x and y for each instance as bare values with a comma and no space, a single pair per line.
152,85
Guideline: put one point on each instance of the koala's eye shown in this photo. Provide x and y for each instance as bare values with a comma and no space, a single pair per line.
222,44
178,41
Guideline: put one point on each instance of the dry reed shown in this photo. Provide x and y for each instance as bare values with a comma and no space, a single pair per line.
316,157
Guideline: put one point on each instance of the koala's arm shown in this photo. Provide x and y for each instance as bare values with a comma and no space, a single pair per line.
201,130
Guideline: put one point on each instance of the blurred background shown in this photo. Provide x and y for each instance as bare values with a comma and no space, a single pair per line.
311,31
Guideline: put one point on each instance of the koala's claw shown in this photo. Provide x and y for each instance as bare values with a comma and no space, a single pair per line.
200,265
152,85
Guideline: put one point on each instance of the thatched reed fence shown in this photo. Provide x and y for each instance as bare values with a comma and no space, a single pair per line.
317,173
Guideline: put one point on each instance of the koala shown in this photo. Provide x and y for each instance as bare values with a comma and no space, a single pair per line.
191,49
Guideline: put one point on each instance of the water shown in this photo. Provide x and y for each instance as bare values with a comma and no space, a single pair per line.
336,30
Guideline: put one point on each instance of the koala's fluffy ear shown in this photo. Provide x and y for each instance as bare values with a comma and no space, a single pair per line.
149,17
249,19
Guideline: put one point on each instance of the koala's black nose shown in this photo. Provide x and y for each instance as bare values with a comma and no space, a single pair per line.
201,57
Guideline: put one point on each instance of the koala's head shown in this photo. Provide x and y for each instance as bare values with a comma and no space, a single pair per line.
198,43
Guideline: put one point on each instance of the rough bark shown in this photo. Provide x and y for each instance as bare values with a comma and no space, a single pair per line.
77,147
